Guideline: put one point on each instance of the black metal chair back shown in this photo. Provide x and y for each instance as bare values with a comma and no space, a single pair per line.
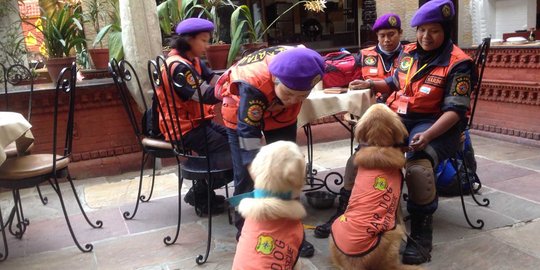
66,84
480,63
122,73
3,80
13,75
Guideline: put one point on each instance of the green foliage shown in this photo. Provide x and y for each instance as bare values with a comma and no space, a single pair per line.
96,12
12,46
62,30
243,26
114,32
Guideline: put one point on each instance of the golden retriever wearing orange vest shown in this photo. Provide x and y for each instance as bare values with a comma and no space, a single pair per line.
380,159
273,230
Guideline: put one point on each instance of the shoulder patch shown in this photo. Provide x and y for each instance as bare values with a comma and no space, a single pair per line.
405,63
265,244
461,85
370,60
190,79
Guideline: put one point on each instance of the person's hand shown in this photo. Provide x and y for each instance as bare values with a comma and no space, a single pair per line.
419,141
358,84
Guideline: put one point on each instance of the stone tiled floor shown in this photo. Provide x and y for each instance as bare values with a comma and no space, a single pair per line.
510,174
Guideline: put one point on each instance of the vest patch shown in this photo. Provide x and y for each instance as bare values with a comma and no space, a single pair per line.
462,85
370,60
425,90
380,183
265,244
437,81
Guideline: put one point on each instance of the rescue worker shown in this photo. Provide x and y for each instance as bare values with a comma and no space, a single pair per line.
190,44
378,63
262,94
430,90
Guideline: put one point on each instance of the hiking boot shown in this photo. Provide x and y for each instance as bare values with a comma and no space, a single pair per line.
419,244
197,196
323,230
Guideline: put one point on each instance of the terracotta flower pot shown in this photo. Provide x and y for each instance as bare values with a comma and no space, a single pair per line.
55,65
100,58
217,55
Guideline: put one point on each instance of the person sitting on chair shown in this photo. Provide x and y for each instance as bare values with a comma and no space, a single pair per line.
262,94
430,90
378,63
190,44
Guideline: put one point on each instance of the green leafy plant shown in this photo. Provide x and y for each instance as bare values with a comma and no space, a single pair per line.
12,46
170,13
62,30
114,32
244,26
96,11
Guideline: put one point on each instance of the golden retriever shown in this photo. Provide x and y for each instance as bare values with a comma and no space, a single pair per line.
273,230
368,234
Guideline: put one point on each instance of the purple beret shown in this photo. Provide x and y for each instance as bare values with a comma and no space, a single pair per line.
298,68
194,25
387,21
434,11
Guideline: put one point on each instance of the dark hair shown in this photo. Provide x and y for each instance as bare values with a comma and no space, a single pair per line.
180,42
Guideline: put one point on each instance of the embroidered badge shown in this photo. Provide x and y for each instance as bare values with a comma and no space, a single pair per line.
392,21
190,79
342,218
315,80
462,85
405,63
370,60
255,112
265,244
446,11
380,183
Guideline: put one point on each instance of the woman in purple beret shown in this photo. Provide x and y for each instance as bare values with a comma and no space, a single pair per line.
430,90
262,94
188,46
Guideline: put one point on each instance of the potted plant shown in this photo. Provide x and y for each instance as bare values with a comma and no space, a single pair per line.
244,27
96,12
114,32
216,54
63,34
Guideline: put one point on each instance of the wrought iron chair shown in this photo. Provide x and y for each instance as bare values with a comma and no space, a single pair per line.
14,75
122,73
29,171
207,168
480,63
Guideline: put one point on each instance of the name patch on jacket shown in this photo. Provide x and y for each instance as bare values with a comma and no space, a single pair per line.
259,55
255,112
437,81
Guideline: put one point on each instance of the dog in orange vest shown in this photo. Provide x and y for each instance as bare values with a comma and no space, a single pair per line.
273,230
368,234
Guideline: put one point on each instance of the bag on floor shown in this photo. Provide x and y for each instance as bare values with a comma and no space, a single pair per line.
447,180
340,68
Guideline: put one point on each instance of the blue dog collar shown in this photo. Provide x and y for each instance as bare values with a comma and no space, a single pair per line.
259,193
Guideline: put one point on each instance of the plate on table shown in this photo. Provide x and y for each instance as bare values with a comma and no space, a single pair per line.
516,40
335,90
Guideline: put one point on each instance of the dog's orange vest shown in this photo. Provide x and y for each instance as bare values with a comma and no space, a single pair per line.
253,70
373,65
426,93
270,244
371,211
189,112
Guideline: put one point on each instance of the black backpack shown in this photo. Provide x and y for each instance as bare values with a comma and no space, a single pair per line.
150,121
